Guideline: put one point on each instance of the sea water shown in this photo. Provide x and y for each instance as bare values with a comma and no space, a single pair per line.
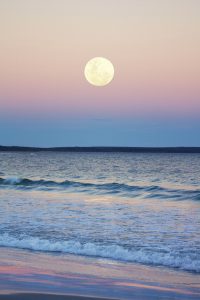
142,208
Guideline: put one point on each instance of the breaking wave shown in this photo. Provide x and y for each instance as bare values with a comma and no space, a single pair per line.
151,191
188,262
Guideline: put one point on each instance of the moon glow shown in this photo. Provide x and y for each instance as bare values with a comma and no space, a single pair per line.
99,71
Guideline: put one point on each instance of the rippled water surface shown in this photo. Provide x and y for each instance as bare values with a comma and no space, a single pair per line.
141,208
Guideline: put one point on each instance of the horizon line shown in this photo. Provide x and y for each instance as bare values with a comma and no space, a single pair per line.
133,149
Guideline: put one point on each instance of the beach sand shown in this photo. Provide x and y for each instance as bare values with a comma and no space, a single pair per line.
33,296
31,275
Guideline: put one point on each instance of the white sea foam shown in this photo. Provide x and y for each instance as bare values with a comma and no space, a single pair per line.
115,252
12,180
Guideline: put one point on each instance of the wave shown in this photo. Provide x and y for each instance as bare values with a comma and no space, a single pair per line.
25,182
151,191
114,252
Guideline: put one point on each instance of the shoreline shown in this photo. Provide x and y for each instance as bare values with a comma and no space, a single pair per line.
61,275
40,296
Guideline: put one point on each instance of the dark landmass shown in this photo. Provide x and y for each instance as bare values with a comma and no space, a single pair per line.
103,149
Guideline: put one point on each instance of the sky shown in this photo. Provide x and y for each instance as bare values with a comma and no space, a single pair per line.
153,100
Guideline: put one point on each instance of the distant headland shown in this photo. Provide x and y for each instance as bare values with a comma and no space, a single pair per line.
103,149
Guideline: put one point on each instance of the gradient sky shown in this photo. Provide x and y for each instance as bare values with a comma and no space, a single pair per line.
154,99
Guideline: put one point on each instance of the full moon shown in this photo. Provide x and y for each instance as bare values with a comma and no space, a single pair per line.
99,71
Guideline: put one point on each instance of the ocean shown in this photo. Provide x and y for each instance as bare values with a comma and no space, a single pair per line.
128,207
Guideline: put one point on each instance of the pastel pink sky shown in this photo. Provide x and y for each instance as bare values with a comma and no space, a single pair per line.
154,46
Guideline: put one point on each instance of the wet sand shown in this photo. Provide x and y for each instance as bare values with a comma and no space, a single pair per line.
31,275
33,296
